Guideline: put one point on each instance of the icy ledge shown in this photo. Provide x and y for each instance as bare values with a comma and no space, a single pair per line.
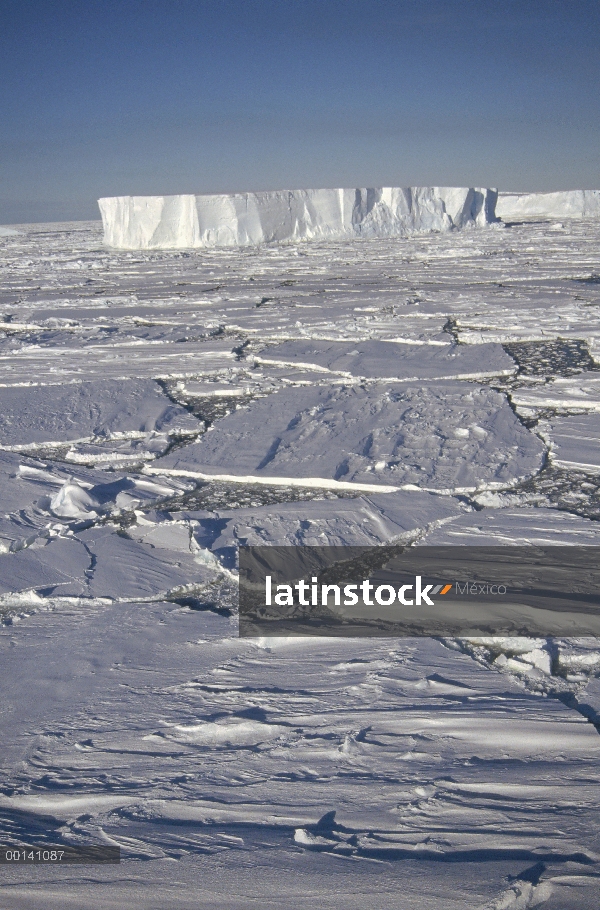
569,204
249,219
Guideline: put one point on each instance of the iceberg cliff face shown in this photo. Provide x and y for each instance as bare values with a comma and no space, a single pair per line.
250,219
569,204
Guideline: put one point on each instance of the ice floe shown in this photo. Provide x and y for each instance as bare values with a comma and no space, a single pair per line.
524,527
155,730
445,437
103,563
36,415
363,521
574,441
579,393
386,360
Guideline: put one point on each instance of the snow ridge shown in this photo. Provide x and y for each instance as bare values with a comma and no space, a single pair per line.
251,219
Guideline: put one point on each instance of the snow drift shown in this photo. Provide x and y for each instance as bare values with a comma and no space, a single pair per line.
569,204
249,219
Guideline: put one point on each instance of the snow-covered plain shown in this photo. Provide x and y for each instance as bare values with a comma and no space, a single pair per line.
159,408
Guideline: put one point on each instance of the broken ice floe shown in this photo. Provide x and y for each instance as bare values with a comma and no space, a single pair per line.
103,563
365,521
24,366
41,500
45,568
54,414
445,437
522,526
571,394
386,360
574,441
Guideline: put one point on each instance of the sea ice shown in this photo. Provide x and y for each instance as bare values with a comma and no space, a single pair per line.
26,364
35,415
573,393
52,568
386,360
446,437
149,726
519,527
42,499
149,723
574,441
103,563
365,521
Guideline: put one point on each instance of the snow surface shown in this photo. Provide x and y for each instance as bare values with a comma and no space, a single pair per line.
250,219
362,522
574,441
568,204
521,527
448,437
160,408
38,414
388,360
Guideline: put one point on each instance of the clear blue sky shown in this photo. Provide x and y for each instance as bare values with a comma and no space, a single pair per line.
111,97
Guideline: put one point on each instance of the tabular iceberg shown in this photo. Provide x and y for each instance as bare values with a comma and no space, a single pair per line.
250,219
568,204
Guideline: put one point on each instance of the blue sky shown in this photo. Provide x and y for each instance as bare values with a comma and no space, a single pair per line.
111,97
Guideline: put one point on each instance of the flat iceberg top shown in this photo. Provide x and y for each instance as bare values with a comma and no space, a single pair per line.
251,219
565,204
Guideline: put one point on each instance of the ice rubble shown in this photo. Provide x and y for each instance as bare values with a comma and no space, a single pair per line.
569,204
249,219
41,500
365,521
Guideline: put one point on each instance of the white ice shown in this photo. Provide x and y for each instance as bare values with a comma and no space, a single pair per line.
364,521
250,219
451,437
566,204
284,772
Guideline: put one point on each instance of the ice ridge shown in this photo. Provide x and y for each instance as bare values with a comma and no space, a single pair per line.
251,219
